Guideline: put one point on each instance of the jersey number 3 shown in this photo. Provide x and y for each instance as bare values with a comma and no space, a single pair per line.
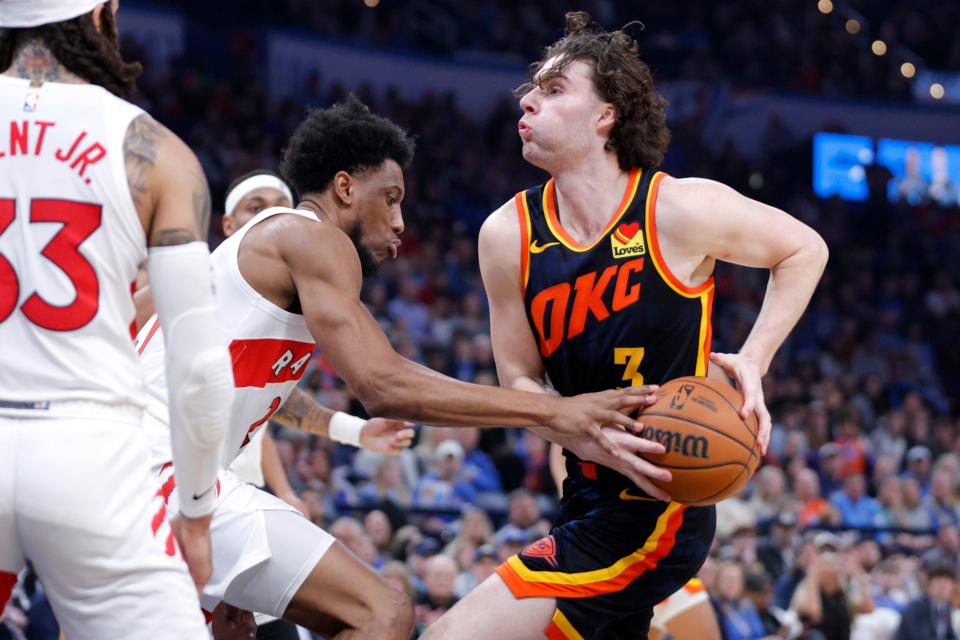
80,220
631,357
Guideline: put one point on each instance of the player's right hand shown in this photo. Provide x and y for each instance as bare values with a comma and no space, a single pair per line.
193,536
586,414
630,461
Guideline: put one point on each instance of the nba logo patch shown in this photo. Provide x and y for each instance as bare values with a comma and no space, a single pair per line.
31,102
627,241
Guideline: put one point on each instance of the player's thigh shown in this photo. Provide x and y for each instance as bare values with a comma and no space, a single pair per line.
492,611
89,518
341,592
293,546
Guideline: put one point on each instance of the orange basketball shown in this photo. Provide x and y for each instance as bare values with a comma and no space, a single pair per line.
711,451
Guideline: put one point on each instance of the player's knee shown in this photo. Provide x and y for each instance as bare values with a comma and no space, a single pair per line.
393,616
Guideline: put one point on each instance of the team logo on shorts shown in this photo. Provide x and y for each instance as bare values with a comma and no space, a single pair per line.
627,241
544,548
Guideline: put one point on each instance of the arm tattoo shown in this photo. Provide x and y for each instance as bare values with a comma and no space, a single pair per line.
140,155
34,61
300,411
201,203
171,237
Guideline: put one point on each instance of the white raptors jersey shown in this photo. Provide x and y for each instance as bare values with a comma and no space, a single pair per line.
70,246
692,593
270,348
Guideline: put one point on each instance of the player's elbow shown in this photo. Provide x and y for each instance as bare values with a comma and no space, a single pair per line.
378,396
205,396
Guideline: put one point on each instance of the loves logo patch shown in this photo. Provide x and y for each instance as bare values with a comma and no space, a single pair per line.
627,241
545,548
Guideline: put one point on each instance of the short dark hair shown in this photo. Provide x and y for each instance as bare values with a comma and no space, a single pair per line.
77,45
640,135
942,570
345,137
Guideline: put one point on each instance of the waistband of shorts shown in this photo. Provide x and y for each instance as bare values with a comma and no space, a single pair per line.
68,408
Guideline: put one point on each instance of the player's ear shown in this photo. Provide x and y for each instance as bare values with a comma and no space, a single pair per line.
343,187
98,13
229,225
607,118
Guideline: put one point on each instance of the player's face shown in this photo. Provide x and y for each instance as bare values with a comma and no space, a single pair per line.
379,193
252,204
563,116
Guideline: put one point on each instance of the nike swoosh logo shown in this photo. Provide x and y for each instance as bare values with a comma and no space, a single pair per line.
537,248
198,496
626,495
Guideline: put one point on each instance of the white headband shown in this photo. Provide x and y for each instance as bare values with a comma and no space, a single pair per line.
19,14
253,183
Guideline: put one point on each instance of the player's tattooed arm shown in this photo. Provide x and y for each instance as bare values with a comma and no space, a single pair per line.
166,183
300,411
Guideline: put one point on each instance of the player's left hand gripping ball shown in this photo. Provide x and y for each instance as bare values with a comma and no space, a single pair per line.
747,374
386,436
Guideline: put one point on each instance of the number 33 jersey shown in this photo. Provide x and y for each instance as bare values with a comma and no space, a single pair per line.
70,246
270,348
609,314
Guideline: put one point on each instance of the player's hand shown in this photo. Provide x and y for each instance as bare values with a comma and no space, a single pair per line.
586,414
193,536
629,462
292,499
386,436
746,372
231,623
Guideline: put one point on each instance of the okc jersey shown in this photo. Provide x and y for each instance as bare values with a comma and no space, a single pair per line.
70,246
609,314
605,315
270,348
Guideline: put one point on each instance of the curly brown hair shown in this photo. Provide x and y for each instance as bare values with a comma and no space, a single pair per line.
81,48
640,135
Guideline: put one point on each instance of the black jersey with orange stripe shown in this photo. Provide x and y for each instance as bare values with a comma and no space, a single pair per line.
609,314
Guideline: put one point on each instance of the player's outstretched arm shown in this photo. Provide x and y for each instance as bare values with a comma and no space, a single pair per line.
325,271
712,221
519,365
303,412
173,201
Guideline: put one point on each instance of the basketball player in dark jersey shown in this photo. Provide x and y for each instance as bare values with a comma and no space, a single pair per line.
601,278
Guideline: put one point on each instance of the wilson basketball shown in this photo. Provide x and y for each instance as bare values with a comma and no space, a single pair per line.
710,450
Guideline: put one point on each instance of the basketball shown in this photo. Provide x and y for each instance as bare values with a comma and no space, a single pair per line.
710,450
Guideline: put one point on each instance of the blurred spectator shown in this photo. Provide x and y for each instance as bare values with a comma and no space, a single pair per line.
769,497
759,590
445,487
437,597
823,603
810,504
856,508
484,562
737,615
775,552
918,466
478,468
888,589
929,616
523,517
388,485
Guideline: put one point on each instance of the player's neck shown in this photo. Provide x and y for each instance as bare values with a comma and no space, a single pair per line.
35,62
325,210
589,192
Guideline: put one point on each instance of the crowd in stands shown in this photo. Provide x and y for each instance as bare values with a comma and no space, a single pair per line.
803,49
852,526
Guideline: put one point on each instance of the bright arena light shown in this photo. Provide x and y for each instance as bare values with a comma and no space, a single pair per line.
825,6
879,47
852,26
908,70
936,90
371,3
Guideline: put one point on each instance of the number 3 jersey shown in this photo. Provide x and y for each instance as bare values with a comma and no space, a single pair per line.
270,348
609,314
70,246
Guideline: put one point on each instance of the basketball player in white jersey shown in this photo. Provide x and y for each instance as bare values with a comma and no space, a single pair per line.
87,183
287,282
